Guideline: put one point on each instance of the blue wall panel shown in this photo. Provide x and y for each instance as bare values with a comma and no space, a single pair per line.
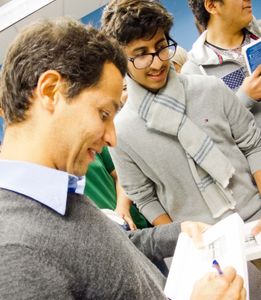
184,30
93,18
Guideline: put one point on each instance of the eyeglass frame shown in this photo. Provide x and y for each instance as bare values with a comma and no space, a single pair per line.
153,54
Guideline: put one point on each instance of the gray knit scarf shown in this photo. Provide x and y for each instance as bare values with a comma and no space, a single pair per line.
210,168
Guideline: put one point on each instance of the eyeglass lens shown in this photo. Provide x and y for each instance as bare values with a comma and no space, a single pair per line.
146,60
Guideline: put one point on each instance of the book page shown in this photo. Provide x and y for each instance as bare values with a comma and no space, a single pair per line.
252,243
223,242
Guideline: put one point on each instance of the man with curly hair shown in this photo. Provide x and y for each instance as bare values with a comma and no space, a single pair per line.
229,26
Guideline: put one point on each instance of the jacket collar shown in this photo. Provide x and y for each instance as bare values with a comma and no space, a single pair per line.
203,55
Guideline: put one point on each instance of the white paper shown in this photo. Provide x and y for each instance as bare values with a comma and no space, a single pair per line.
252,243
223,242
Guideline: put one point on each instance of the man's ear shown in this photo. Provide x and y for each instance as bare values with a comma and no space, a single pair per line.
49,83
210,6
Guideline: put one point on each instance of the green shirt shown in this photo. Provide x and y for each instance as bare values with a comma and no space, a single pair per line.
100,186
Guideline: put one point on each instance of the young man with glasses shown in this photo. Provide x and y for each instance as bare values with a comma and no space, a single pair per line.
186,147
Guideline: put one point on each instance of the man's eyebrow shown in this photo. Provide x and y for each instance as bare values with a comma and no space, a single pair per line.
161,40
145,48
139,49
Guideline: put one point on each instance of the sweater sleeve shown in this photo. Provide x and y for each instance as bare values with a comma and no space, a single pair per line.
244,129
191,67
245,99
158,242
139,188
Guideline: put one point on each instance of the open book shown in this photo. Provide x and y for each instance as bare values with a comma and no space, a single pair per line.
228,241
252,55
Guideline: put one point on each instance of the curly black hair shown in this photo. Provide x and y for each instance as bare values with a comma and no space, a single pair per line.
128,20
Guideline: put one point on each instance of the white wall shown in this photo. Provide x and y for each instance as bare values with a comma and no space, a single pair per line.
74,8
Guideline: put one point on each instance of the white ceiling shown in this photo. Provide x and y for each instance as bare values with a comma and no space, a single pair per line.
74,8
2,2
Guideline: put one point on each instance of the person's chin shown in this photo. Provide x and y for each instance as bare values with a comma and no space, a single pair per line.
79,169
155,86
79,172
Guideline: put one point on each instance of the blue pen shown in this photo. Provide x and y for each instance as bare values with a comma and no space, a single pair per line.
216,265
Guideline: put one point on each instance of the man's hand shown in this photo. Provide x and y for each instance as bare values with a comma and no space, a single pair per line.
123,203
257,228
252,84
124,212
228,286
195,230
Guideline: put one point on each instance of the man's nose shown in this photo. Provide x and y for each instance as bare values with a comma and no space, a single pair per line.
110,135
156,63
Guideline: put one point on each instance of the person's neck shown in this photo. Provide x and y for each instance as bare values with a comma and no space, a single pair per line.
17,145
224,37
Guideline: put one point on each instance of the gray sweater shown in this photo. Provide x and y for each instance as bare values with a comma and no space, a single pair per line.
82,255
153,168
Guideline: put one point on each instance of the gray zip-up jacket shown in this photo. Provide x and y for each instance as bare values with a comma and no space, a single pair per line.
205,61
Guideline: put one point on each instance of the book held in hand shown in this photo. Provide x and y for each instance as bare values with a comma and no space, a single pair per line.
252,55
229,242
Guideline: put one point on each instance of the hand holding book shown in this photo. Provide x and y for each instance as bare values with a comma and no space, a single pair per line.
257,228
252,54
252,83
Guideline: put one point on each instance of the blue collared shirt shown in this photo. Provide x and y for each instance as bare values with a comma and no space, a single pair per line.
45,185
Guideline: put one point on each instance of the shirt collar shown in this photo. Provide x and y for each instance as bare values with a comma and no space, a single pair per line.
45,185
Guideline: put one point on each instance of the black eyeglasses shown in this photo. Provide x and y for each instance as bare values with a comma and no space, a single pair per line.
145,60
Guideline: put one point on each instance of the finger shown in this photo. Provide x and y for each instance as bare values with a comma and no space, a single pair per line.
257,72
211,275
119,213
243,294
229,273
130,222
238,283
256,229
235,289
195,230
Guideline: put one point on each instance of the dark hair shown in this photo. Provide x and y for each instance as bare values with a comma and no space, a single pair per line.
199,11
128,20
78,53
